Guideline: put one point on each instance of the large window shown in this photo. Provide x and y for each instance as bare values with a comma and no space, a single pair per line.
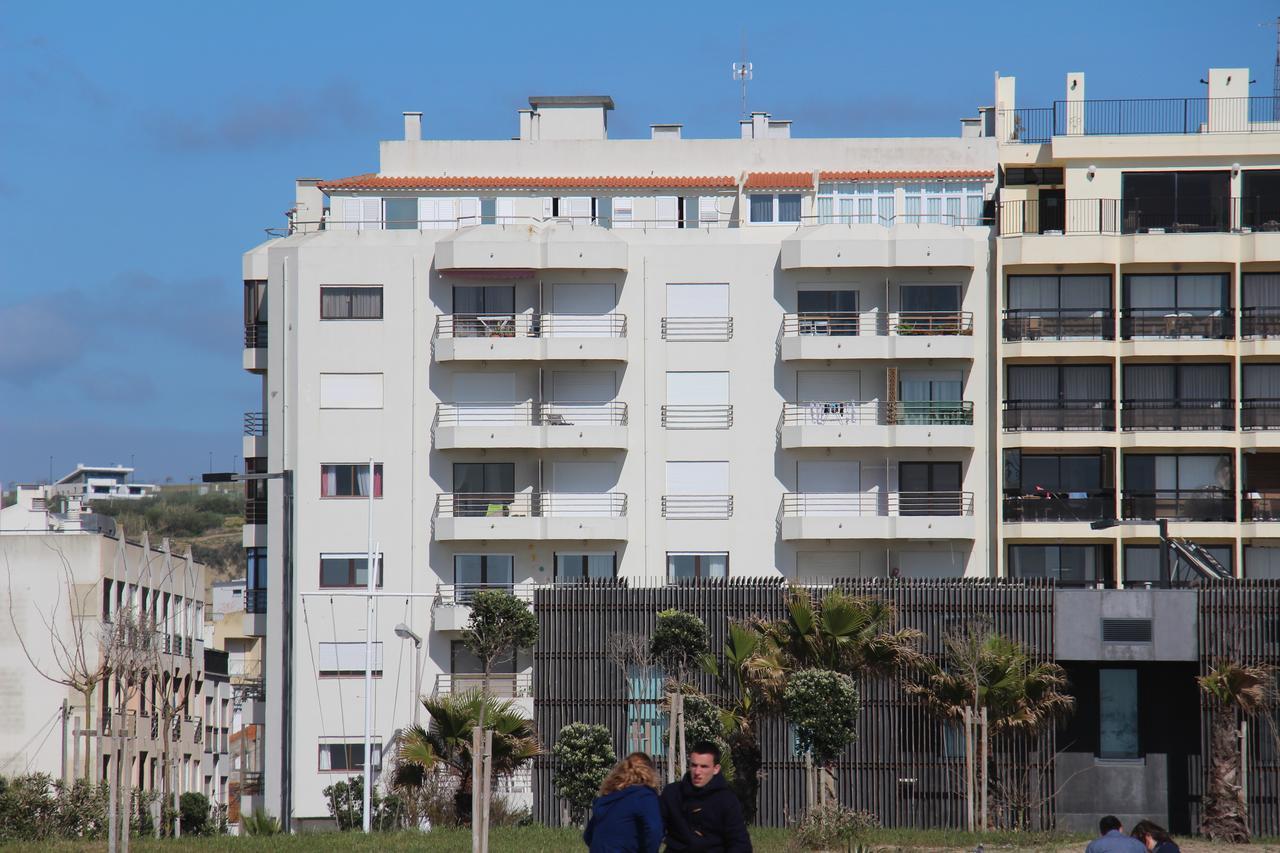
349,481
347,757
1118,713
1142,563
472,572
400,213
683,566
583,567
775,207
462,661
1068,565
351,303
1059,307
1058,487
1193,487
867,203
1196,305
1260,189
347,570
347,660
1176,201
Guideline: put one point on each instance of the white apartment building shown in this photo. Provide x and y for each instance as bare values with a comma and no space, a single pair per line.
575,357
105,482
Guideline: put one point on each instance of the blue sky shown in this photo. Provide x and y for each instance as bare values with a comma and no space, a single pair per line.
144,147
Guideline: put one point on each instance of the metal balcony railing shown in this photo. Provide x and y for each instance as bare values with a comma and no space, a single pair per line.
255,424
1211,504
878,412
255,336
691,416
1260,413
530,504
955,220
462,593
613,413
803,504
1139,215
525,325
251,782
697,328
1260,505
1059,324
1179,414
1260,322
1060,506
1139,116
691,507
1051,415
504,685
840,324
1201,322
528,413
255,601
255,511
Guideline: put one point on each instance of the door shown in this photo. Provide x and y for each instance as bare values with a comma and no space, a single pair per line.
831,487
930,396
582,310
933,298
827,312
1053,205
929,488
489,398
581,489
832,396
581,397
668,211
483,488
482,312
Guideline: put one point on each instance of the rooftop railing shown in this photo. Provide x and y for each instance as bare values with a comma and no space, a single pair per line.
530,505
881,504
878,413
855,323
524,325
886,221
332,222
1138,116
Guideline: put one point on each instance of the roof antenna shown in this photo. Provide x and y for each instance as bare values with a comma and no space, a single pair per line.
742,72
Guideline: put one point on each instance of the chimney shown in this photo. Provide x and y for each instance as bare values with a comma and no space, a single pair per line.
665,131
413,127
526,124
1075,103
759,125
779,129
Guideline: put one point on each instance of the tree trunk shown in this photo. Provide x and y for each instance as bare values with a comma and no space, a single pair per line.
747,760
88,748
1225,811
113,813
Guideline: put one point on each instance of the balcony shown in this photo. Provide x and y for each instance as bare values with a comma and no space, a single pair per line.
694,416
255,601
877,334
255,511
1180,414
1051,324
527,244
530,516
1260,322
1059,415
697,328
877,515
530,425
1183,323
451,609
1060,506
530,337
876,423
1138,116
255,347
503,685
1131,215
1260,414
1260,506
1211,504
695,507
862,241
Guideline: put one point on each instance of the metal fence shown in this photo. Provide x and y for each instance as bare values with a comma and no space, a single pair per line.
878,412
697,328
863,504
1130,116
903,766
512,325
840,324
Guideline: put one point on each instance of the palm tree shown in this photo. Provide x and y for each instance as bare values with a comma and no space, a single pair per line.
1234,691
445,744
986,670
740,704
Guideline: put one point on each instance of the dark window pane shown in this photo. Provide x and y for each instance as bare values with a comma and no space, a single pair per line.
788,208
761,207
400,213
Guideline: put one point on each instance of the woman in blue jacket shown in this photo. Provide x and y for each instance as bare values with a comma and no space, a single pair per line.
626,818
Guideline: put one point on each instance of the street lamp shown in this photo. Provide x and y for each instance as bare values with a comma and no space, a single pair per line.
404,632
286,633
1162,525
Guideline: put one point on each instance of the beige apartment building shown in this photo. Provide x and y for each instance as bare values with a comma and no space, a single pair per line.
571,357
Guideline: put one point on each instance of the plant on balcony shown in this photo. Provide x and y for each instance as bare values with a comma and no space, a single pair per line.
985,671
823,706
678,643
583,757
1235,692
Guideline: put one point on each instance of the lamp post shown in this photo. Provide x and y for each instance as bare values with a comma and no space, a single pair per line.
1162,530
404,632
286,633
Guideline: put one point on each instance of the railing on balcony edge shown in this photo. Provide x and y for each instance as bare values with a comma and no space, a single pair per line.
693,507
1261,505
1140,116
886,220
255,424
503,685
255,511
1177,414
1060,506
697,416
462,593
1139,215
255,336
1177,323
1260,321
697,328
1260,413
530,504
529,413
878,413
1059,415
1179,504
877,504
255,601
842,324
524,325
1059,324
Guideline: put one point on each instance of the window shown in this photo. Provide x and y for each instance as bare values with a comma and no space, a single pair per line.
463,662
691,565
400,213
347,570
579,567
1261,197
929,298
351,303
1078,383
1068,565
346,757
864,202
356,213
1196,294
1118,713
1142,563
1058,307
1262,562
770,207
346,660
827,312
930,488
478,571
1175,201
1185,385
1017,176
349,481
1054,487
623,212
255,568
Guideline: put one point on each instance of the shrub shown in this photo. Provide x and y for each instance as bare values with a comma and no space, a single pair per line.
583,757
679,641
823,706
832,826
259,823
346,805
193,813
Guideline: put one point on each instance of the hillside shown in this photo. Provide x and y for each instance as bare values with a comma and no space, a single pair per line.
210,523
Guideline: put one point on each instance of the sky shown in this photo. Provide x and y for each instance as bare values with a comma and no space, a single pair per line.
145,146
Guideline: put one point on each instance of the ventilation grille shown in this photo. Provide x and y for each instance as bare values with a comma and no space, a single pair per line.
1126,630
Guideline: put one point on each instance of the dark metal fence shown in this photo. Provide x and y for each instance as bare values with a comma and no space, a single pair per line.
1130,116
1261,413
1049,415
1059,324
1177,414
903,767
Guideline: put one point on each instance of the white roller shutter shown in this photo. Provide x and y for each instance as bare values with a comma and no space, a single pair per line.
697,478
582,310
468,211
828,385
830,487
487,397
698,388
576,207
931,564
697,300
583,386
351,390
506,210
708,210
582,489
347,657
668,211
350,213
447,212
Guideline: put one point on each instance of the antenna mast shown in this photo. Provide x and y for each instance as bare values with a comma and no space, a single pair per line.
742,70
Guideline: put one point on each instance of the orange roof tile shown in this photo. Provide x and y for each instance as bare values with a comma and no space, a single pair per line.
779,180
901,175
465,182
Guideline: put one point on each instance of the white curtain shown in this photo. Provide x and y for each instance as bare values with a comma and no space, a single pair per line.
1033,291
1152,291
362,481
1092,292
1262,382
1262,290
329,480
1202,292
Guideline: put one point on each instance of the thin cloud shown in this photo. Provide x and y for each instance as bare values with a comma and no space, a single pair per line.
38,338
116,387
46,74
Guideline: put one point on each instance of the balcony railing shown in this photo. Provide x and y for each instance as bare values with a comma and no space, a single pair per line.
1260,506
1207,323
1138,116
462,593
251,782
255,336
503,685
693,416
697,328
1179,504
1139,215
1060,506
1260,413
530,505
513,325
688,507
528,413
799,504
1179,414
255,601
255,511
1260,322
1059,324
878,412
255,424
1053,415
840,324
935,218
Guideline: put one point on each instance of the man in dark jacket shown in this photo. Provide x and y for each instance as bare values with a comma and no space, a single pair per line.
701,812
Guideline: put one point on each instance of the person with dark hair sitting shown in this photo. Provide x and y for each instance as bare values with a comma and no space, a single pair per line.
1112,838
1154,836
701,812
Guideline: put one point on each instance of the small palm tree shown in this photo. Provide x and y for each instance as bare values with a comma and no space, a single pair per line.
445,744
1234,691
741,706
